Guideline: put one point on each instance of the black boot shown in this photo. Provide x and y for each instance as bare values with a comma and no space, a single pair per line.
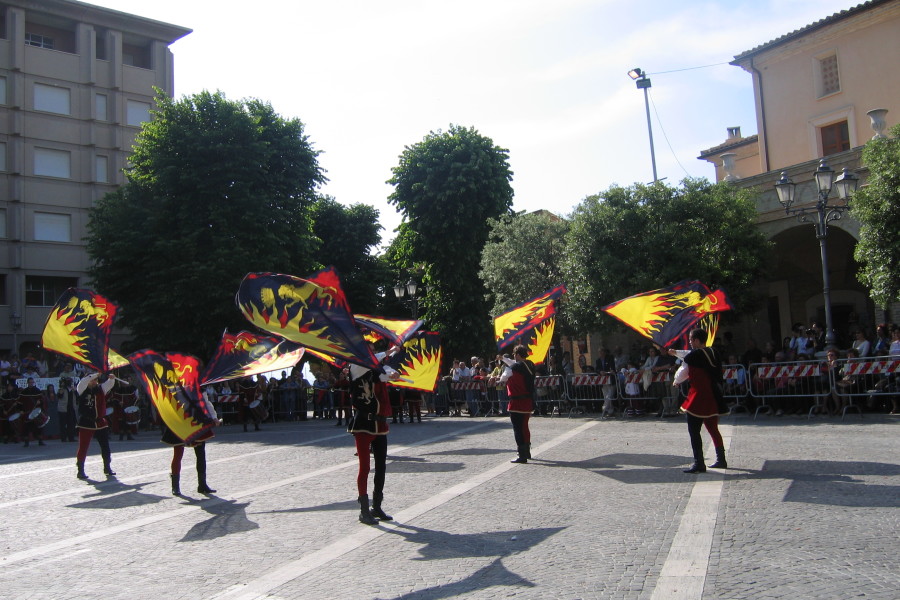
81,473
697,467
528,451
200,452
107,469
376,511
364,515
41,442
523,455
245,428
176,483
720,463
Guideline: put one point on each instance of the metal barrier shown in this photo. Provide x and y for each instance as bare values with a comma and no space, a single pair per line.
550,396
786,387
473,394
871,378
736,388
589,389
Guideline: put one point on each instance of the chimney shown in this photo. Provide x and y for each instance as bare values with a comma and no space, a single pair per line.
734,133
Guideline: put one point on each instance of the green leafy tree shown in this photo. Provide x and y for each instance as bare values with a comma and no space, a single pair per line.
447,187
216,189
630,240
523,257
348,235
877,208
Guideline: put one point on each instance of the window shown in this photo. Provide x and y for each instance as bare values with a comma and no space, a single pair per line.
45,291
2,90
53,99
41,41
52,227
2,156
829,78
100,107
137,113
52,163
3,299
3,223
101,164
835,138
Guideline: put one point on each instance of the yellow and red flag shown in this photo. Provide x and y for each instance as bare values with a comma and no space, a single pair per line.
419,363
538,340
172,382
312,312
666,314
79,326
516,322
396,331
247,354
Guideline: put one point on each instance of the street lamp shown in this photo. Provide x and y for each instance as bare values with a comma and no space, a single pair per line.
410,288
15,323
824,212
640,79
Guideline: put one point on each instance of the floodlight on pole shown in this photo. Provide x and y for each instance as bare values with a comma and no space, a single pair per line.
642,83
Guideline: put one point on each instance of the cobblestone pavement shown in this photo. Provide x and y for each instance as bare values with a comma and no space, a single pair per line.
808,509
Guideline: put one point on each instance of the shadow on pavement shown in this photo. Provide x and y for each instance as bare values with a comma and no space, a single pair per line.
228,517
492,575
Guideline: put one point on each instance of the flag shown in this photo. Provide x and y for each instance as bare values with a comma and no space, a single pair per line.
516,322
666,314
247,354
419,362
311,312
396,331
79,326
538,340
172,382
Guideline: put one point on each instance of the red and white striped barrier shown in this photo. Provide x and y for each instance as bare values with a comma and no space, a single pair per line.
592,380
467,385
872,367
777,371
225,399
547,381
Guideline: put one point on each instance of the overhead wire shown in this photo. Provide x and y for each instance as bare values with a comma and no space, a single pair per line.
668,143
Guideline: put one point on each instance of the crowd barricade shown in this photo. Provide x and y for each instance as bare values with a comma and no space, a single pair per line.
736,388
635,405
788,386
442,399
226,407
587,389
550,395
873,379
471,394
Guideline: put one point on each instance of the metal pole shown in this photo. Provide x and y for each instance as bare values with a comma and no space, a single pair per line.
822,234
650,131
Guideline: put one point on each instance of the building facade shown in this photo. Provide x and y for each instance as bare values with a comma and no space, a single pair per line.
76,82
821,91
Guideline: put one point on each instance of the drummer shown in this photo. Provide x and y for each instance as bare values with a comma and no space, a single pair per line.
32,401
248,390
11,413
124,397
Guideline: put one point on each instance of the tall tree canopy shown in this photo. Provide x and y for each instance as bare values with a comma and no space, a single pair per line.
348,235
630,240
447,187
537,240
216,189
877,208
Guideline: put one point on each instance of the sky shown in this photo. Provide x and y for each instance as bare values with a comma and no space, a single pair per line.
546,80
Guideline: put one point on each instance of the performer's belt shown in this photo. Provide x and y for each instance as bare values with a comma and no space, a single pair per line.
525,397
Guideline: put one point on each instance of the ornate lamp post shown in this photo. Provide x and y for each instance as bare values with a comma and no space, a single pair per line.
15,323
823,213
642,82
411,288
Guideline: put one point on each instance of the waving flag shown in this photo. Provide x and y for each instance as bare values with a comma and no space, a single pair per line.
516,322
247,354
172,382
538,340
419,363
311,312
396,331
666,314
79,326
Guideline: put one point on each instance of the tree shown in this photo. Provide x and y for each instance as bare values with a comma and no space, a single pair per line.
877,208
348,234
630,240
447,187
535,241
216,189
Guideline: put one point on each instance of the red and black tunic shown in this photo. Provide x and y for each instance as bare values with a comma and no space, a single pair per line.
371,404
520,387
705,373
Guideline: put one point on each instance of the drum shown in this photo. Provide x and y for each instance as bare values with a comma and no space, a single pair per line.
132,415
38,417
259,410
14,417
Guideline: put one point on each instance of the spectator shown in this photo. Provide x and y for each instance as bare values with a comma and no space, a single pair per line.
567,367
606,366
752,354
861,344
882,346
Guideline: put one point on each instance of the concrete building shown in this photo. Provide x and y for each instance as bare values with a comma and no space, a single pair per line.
76,82
821,91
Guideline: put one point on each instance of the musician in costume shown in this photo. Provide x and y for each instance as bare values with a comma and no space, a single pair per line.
369,426
30,399
92,423
65,409
703,368
519,378
342,396
248,390
124,396
199,446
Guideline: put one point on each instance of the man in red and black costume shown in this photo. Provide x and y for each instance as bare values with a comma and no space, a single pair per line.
705,401
31,398
169,437
92,419
369,426
248,390
519,378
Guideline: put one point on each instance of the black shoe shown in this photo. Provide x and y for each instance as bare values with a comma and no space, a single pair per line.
205,489
256,428
696,468
25,445
521,460
41,443
130,438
